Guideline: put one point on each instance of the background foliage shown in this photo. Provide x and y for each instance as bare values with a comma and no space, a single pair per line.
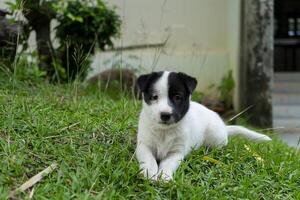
82,27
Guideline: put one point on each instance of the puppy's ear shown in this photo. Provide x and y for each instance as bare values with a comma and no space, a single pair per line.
189,81
143,81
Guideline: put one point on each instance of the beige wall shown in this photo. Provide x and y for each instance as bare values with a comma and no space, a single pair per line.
203,36
202,22
2,4
234,17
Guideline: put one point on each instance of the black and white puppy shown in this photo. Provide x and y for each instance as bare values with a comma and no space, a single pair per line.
171,125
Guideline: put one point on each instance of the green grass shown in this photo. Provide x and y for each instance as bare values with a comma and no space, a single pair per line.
92,138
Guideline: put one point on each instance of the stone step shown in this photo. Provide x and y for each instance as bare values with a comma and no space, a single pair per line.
286,99
286,111
287,77
288,124
292,139
286,87
286,107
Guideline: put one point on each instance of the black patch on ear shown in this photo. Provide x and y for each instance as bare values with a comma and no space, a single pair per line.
145,83
190,82
142,82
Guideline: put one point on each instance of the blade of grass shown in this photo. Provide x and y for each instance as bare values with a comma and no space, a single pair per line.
33,180
240,113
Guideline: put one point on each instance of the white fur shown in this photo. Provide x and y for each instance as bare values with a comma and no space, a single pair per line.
171,143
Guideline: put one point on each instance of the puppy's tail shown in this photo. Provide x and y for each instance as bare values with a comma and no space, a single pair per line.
252,135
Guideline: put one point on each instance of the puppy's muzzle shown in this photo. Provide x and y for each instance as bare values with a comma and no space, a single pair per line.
165,117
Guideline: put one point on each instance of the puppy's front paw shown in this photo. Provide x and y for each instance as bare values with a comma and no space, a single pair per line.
164,176
149,173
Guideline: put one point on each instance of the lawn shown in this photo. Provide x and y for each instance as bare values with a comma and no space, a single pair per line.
92,137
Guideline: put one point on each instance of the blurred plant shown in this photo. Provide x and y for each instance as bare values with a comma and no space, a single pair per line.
223,102
226,90
39,14
197,96
83,26
10,31
27,69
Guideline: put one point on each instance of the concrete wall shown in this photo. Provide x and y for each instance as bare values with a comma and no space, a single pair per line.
234,20
203,37
2,4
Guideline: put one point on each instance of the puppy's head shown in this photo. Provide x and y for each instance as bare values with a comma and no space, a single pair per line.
166,95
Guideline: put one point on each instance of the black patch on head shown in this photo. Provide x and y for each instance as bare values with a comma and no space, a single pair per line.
145,83
181,86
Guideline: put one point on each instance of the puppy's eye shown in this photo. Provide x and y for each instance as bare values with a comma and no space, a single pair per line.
154,97
177,97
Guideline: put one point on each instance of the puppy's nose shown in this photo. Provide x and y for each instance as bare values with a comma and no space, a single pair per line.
165,116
